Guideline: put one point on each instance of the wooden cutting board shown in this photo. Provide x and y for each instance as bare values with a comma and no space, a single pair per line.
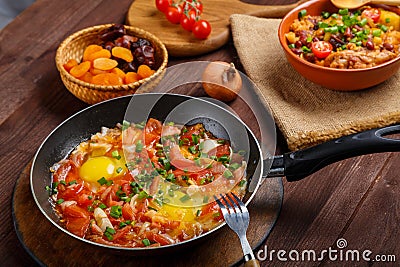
144,14
50,247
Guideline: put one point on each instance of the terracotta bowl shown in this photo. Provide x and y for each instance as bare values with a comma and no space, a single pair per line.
336,79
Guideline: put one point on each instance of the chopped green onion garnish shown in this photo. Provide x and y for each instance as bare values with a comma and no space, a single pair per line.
306,49
109,232
325,14
119,169
170,177
334,15
384,28
228,174
205,199
139,146
195,139
146,242
140,125
63,182
116,154
184,198
72,182
125,125
116,211
102,181
235,166
242,183
171,193
193,149
387,20
363,22
323,24
309,39
376,33
59,201
302,13
343,11
102,206
143,194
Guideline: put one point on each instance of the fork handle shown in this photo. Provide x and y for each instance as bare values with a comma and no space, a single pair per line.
252,263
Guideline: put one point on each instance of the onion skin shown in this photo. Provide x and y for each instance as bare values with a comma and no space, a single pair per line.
221,81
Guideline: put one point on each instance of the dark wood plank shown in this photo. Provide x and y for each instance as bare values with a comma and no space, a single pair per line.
316,210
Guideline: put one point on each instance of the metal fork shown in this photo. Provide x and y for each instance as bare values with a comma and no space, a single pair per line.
237,217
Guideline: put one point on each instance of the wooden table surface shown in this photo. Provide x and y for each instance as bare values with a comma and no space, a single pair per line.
356,199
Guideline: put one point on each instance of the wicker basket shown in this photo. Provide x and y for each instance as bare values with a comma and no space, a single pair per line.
74,45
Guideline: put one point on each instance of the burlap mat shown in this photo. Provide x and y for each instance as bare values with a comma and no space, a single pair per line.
307,113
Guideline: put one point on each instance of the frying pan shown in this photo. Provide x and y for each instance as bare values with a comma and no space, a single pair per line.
294,165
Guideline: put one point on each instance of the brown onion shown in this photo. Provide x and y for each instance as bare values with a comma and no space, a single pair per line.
222,81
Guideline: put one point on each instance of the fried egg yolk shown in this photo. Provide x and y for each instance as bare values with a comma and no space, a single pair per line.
96,168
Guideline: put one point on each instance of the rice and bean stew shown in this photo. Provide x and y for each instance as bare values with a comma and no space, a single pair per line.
348,39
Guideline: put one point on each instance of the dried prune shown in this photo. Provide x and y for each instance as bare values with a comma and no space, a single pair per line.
112,33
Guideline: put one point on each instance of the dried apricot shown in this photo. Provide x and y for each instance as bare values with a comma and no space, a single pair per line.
81,69
103,53
90,49
87,77
119,72
94,71
70,64
104,63
123,53
107,79
144,71
131,77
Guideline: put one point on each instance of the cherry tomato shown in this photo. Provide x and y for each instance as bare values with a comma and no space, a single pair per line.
321,49
372,13
174,14
201,29
187,21
163,5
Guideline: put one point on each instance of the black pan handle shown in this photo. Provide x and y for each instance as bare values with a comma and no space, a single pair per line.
299,164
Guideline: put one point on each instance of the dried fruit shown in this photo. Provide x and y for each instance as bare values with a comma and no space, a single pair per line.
144,71
104,63
90,49
107,79
87,77
103,53
94,71
81,69
119,72
131,77
70,64
123,53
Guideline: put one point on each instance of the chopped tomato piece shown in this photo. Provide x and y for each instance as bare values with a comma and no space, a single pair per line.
127,212
321,49
372,13
77,219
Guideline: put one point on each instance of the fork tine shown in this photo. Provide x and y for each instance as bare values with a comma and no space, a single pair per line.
241,204
235,206
228,204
